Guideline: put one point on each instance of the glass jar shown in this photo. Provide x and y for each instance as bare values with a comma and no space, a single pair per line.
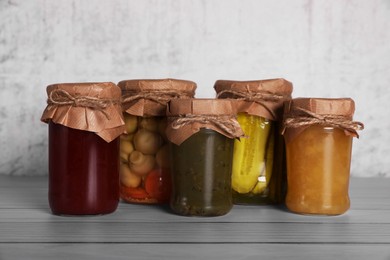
258,161
319,144
201,132
202,174
83,172
258,175
145,164
85,122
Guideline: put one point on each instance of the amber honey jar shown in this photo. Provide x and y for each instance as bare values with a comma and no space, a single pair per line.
145,164
85,121
318,134
202,132
258,175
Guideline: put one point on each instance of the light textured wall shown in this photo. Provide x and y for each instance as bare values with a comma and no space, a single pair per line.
326,48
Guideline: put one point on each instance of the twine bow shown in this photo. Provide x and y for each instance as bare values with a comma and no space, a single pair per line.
258,97
60,97
310,118
228,124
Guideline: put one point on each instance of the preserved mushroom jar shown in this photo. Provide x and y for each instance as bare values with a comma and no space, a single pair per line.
85,122
318,134
258,175
145,164
201,132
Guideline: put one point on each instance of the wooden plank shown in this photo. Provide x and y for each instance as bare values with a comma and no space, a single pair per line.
193,251
29,231
154,214
366,193
114,232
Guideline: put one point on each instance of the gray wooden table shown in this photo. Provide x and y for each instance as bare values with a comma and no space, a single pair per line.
29,231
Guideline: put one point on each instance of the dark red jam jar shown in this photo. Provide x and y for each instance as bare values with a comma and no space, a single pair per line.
85,122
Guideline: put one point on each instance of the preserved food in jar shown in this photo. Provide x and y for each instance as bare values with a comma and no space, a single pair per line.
83,172
319,143
258,175
202,175
85,122
145,164
202,133
253,156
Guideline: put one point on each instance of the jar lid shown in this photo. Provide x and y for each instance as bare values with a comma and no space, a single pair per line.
93,107
149,97
322,106
258,97
300,113
187,116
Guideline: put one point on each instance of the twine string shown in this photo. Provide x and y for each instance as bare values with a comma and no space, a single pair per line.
258,97
226,123
254,96
310,118
60,97
159,96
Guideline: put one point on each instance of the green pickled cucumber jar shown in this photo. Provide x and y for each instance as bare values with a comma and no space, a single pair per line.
201,132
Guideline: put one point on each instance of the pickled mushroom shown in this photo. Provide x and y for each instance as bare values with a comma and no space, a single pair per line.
128,178
126,147
124,157
127,137
149,123
130,123
140,163
162,157
147,142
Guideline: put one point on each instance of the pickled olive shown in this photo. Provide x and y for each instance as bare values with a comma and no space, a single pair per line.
128,178
126,147
162,157
131,123
140,163
147,142
148,123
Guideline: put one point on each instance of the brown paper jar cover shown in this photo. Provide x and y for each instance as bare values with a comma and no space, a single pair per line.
93,107
187,116
149,97
300,113
257,97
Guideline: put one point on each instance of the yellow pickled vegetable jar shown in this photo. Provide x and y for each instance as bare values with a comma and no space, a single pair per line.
318,134
144,157
258,175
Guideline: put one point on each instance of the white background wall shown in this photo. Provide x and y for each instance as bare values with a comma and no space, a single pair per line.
326,48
